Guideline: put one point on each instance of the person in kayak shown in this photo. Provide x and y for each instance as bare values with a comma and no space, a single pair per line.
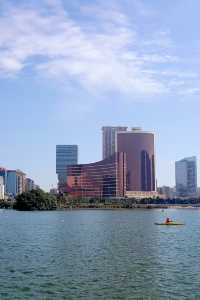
168,220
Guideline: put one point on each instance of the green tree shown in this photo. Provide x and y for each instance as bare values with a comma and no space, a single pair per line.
35,200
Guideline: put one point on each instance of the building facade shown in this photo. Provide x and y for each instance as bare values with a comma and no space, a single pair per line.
106,178
30,185
53,191
66,155
166,192
3,173
140,158
16,182
186,177
2,188
109,139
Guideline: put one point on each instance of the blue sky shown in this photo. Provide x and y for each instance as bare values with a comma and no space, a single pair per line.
67,68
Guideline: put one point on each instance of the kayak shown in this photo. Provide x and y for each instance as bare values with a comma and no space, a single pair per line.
170,223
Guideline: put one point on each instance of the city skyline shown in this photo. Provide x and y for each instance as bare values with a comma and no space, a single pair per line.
137,66
76,147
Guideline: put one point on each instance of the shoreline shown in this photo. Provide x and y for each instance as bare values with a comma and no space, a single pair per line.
138,206
109,206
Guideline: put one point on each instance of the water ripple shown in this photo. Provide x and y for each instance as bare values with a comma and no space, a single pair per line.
99,255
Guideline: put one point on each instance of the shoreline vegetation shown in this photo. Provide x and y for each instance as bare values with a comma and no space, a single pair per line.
40,200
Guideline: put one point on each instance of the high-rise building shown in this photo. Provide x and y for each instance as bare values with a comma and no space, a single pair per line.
3,173
16,180
2,188
66,155
21,181
101,179
140,158
109,139
186,177
30,185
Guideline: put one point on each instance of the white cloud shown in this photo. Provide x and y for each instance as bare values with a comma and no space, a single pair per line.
160,39
190,91
104,58
10,65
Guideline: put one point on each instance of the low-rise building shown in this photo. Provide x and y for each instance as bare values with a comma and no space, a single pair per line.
141,194
166,192
54,191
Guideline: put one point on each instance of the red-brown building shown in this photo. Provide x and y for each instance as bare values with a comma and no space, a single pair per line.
106,178
140,158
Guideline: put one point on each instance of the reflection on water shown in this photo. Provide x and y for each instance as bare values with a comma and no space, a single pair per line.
95,254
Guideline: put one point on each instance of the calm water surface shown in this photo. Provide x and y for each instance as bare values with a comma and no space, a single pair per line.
100,254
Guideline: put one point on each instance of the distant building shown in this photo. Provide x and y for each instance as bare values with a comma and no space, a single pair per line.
3,173
141,194
166,192
30,185
198,191
102,179
21,181
11,186
138,145
53,191
36,187
109,139
2,188
186,177
66,155
16,182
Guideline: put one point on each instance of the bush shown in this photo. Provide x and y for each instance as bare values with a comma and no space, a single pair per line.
5,204
35,200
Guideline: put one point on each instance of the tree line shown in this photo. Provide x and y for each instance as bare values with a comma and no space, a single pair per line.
40,200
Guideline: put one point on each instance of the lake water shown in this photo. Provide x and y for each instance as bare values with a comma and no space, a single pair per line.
99,254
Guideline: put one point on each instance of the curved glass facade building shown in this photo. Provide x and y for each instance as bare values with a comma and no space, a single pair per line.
106,178
139,148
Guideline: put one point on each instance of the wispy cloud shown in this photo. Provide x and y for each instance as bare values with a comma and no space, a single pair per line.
106,54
